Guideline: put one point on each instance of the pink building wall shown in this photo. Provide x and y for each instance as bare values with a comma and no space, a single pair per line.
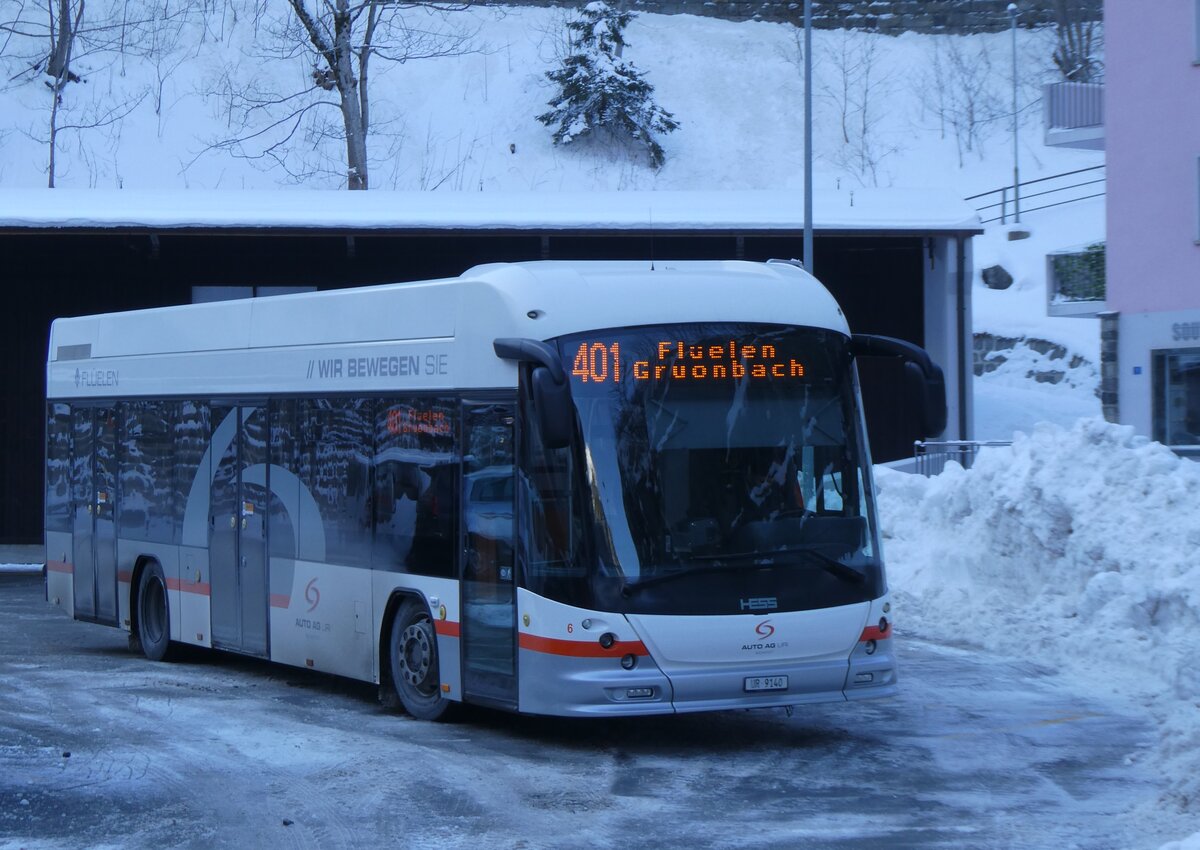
1152,118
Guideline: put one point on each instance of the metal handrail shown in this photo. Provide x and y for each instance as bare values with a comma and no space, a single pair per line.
1003,193
931,456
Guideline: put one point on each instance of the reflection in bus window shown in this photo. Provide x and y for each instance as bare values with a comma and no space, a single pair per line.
416,479
58,473
191,442
147,469
552,559
334,464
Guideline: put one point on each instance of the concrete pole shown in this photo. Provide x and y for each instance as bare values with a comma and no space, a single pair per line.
808,172
1012,14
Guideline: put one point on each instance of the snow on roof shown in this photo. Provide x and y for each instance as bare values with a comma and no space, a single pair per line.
861,210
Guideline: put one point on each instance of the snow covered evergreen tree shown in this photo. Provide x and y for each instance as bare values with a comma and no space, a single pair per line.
598,90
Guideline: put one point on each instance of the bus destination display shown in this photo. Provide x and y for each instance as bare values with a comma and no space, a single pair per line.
679,360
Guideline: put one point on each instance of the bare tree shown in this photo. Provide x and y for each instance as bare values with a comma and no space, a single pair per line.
854,82
337,40
1075,55
57,43
963,91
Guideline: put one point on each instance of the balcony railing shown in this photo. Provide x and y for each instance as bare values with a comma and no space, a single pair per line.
1074,115
1075,282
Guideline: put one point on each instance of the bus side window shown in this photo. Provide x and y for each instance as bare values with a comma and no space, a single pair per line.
416,482
147,469
190,443
552,560
335,449
283,506
58,467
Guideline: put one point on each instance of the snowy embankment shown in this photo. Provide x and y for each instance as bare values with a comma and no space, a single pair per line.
1011,397
1076,547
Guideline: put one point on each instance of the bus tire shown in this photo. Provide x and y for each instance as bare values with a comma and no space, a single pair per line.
154,614
414,662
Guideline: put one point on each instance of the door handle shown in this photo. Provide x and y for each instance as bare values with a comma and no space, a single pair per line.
233,522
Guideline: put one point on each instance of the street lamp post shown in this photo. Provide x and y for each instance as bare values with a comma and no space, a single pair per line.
1012,15
808,233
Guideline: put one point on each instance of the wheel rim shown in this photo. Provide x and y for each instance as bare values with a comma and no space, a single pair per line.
417,657
154,610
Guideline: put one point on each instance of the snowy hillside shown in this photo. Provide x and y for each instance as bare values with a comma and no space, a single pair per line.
890,111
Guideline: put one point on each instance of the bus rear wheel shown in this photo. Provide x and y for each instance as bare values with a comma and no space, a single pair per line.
154,616
414,660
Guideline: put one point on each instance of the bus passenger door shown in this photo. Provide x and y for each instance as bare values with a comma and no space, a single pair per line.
93,501
237,536
489,621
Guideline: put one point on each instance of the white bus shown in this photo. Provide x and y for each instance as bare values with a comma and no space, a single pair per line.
593,488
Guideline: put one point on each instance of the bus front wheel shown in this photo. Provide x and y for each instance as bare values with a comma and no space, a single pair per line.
154,617
415,663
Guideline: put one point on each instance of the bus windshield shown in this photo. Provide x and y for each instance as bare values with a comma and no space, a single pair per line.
724,449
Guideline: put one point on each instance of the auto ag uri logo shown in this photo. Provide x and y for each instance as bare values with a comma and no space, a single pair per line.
311,594
764,630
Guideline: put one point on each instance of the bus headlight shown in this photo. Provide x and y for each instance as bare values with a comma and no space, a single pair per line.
629,661
870,647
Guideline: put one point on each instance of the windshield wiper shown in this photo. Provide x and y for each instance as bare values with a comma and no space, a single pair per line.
628,587
834,567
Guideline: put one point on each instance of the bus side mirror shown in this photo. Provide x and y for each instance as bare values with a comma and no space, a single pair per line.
552,404
924,380
929,390
551,390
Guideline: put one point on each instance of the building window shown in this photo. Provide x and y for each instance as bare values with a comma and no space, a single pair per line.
1177,396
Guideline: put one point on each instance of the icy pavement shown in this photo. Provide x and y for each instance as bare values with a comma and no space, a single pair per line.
976,752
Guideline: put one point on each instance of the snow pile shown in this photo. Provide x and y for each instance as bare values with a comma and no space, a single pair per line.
1076,547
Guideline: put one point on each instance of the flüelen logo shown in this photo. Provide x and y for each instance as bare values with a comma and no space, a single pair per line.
311,594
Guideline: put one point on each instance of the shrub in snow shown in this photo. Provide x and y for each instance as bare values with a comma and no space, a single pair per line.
599,90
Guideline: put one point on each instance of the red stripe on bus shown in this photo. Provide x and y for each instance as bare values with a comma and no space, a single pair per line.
873,633
60,567
279,600
183,586
447,628
125,577
581,648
